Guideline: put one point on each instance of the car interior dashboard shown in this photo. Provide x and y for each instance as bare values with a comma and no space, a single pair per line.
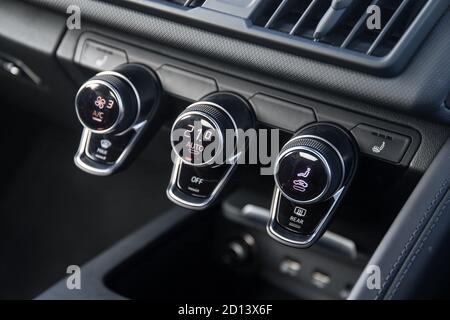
327,125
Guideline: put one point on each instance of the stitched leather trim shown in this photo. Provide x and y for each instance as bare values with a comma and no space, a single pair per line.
419,249
412,237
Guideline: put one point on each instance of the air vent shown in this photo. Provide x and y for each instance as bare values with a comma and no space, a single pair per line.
300,18
187,3
317,29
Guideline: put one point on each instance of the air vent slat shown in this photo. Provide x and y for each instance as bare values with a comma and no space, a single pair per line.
303,17
275,15
347,26
388,27
313,18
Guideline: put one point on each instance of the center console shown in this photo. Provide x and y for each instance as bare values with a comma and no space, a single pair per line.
342,171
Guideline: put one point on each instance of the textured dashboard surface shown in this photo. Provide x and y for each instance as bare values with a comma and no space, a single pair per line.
421,88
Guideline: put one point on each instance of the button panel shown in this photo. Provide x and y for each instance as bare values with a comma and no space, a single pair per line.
101,57
98,106
301,219
289,116
382,144
302,175
107,148
196,139
200,182
320,279
186,84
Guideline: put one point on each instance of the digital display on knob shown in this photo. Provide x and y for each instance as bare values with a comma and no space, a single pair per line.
302,175
196,139
98,107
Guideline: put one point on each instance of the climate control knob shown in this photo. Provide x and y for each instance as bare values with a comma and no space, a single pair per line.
312,173
309,170
199,134
208,138
112,101
115,108
100,105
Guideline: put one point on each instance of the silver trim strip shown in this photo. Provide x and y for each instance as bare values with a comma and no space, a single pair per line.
255,213
105,169
330,241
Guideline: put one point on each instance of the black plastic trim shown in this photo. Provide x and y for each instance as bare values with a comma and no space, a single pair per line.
387,66
95,270
414,237
419,90
285,114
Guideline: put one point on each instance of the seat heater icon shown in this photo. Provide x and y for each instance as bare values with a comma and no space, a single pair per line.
304,174
300,184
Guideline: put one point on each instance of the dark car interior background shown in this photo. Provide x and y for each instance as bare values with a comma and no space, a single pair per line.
90,178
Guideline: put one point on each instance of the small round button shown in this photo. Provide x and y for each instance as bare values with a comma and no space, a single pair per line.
303,175
308,170
198,135
196,138
109,103
99,106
